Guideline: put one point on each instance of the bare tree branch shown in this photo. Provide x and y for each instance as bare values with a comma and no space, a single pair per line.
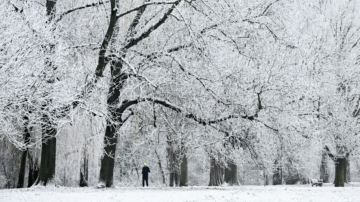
268,7
61,16
18,10
132,42
102,59
145,5
126,104
131,31
329,153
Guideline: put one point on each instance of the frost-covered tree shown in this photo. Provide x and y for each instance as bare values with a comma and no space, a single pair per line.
335,67
247,84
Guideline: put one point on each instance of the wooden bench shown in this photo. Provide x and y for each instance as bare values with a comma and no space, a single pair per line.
316,182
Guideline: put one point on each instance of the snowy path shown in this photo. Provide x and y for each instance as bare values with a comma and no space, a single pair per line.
200,194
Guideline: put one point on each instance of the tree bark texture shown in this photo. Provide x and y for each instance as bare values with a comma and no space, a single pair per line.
23,155
108,160
115,122
184,172
340,169
33,169
231,177
84,172
48,154
216,173
21,178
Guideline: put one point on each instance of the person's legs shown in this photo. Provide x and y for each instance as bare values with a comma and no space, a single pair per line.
143,179
147,184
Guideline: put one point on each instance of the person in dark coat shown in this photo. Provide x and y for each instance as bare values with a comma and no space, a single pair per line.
145,172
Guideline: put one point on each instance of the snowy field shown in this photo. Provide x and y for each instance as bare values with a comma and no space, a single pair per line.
190,194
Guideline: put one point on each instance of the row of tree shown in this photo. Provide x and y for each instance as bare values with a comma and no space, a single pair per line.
269,83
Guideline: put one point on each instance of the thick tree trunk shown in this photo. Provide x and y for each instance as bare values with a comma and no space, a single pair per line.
108,160
231,177
184,172
23,156
174,179
48,154
115,122
33,170
33,175
324,170
340,168
21,178
216,173
84,173
171,179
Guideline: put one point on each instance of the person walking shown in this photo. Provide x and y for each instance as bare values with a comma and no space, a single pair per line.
145,172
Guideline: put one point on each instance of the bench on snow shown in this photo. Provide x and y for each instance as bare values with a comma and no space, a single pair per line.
316,182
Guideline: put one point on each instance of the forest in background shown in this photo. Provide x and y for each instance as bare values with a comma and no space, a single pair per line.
205,92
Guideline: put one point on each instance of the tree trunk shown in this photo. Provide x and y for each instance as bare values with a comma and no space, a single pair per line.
84,173
277,179
216,173
231,177
108,160
184,172
115,122
266,178
324,170
171,180
160,167
48,154
340,167
173,166
20,183
50,8
33,170
48,145
277,176
174,179
23,156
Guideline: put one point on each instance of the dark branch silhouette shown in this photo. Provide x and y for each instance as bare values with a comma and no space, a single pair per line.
61,16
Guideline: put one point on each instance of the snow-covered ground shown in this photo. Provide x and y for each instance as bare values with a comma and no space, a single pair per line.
154,194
